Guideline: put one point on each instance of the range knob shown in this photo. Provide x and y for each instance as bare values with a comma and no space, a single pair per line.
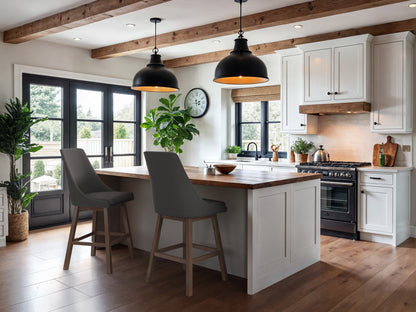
342,174
331,174
336,174
316,171
310,171
348,175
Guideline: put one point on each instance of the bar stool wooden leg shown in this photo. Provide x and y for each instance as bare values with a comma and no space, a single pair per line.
107,242
219,247
189,267
184,243
71,238
127,230
94,230
155,245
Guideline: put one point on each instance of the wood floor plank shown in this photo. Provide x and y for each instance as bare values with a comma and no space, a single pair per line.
352,275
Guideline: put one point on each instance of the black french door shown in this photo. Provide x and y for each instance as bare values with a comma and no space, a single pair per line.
99,118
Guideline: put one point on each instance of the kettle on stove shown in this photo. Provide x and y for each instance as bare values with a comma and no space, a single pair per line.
320,155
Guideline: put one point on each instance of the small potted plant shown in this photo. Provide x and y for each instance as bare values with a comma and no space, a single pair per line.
232,151
301,148
171,125
15,123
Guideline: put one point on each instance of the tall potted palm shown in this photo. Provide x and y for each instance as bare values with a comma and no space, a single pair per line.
15,123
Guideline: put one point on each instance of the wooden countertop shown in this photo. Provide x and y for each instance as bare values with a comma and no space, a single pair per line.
246,179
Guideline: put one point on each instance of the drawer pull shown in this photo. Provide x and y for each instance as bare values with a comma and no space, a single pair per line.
362,192
375,178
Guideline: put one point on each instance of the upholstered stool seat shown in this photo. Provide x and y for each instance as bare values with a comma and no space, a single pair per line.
88,192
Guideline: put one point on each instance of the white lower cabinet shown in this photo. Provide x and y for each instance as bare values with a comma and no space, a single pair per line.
4,224
384,205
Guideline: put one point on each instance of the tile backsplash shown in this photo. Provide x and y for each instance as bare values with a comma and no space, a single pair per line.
348,138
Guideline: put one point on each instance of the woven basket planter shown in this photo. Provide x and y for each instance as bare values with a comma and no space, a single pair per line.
18,227
301,158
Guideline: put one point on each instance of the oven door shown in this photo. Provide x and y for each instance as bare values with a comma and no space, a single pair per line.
338,200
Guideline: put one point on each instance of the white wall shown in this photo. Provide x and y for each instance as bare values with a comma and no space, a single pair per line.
54,56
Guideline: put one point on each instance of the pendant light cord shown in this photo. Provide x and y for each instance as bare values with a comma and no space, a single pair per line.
155,49
241,32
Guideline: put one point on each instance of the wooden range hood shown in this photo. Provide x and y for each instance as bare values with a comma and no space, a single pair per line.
338,108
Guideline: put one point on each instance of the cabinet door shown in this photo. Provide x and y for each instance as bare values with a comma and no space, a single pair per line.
3,217
349,72
292,91
376,209
318,75
388,102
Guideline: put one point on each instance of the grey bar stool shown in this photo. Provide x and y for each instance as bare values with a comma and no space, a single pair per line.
88,192
175,198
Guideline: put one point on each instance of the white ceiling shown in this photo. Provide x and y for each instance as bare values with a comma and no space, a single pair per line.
181,14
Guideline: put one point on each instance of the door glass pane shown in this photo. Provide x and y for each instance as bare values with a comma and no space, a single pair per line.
274,111
123,107
89,104
96,162
334,198
49,135
89,137
251,111
46,101
276,137
46,174
250,133
123,161
123,138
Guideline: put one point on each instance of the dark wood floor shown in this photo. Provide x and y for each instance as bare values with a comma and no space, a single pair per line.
351,276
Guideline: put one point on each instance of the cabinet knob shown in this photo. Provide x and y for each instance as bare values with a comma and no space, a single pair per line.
335,92
302,125
362,192
375,123
329,93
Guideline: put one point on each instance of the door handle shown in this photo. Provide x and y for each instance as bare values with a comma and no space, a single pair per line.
375,178
110,153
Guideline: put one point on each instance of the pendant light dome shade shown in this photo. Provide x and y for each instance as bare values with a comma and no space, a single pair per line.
155,77
241,66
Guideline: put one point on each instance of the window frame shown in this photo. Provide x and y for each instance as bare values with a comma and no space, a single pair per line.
264,131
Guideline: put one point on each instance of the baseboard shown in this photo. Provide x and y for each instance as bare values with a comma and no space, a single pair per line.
412,231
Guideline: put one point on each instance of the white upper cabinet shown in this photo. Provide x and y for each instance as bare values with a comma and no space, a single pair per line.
337,71
393,83
292,95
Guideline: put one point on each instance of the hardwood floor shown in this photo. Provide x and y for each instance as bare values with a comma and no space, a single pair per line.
351,276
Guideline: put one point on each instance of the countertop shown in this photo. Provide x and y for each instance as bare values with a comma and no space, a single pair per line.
250,161
245,179
384,169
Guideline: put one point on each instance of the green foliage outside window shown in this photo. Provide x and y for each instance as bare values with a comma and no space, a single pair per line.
120,131
85,133
57,172
38,169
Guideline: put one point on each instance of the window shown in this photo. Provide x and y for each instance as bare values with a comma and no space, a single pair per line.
102,119
259,122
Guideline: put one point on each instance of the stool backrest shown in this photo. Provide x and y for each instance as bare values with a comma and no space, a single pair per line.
173,193
80,175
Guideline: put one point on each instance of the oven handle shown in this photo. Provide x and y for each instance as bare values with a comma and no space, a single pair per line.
338,183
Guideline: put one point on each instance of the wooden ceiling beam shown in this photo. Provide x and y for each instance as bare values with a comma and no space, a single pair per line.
281,16
271,47
76,17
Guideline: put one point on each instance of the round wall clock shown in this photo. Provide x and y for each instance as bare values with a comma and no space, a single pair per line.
197,100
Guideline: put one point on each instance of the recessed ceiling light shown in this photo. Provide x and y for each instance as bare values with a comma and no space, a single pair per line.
298,26
216,41
77,39
131,25
412,5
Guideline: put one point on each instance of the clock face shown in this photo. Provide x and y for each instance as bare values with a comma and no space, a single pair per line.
197,101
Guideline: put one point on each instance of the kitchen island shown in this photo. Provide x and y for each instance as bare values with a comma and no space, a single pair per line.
270,231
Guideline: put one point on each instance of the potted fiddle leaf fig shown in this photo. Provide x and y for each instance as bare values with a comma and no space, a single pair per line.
171,125
15,123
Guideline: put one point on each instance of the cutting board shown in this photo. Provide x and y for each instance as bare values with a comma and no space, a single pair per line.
390,150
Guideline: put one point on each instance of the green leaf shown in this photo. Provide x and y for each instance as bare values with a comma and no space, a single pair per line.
164,101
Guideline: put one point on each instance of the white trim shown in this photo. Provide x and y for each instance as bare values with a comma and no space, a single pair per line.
20,69
413,231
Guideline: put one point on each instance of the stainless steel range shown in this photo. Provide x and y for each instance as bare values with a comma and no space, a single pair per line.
338,196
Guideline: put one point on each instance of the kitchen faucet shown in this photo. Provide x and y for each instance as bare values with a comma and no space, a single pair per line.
248,145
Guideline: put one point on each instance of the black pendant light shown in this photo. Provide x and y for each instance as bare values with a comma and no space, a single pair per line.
155,77
241,66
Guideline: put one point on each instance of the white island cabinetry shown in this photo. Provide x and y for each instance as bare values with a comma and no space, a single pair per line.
384,204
